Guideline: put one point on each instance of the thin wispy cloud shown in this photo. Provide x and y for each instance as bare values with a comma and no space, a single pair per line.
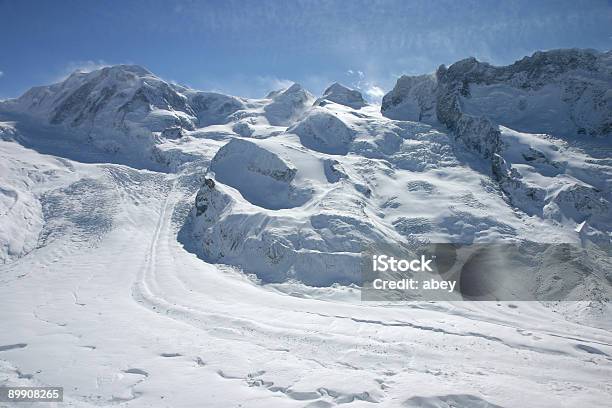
370,88
79,66
256,86
235,45
375,93
273,83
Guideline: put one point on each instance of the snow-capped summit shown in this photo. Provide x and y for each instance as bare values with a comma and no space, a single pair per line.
113,105
116,100
81,96
288,105
344,96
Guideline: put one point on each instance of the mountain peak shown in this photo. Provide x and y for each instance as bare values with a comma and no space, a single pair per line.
117,71
342,95
294,88
336,87
135,69
288,104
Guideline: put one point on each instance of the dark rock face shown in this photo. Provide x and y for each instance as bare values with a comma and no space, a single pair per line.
333,171
210,183
173,132
210,201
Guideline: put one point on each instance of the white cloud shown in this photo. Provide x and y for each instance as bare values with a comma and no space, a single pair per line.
1,74
272,83
375,92
372,92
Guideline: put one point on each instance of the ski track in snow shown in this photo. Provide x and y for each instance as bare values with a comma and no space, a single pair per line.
131,318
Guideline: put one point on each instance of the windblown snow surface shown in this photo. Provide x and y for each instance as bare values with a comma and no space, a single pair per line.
165,247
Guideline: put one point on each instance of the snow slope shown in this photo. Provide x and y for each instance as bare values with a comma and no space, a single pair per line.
154,325
212,257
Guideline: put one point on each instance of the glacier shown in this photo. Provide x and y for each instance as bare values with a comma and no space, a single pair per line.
161,245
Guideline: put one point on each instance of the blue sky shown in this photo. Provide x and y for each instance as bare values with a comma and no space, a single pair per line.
247,48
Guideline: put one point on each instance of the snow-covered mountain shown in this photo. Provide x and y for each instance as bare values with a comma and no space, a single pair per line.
298,182
563,93
120,98
236,225
122,107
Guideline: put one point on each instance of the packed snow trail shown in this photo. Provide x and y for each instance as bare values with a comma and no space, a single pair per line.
127,316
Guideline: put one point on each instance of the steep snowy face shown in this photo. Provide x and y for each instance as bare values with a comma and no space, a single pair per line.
288,105
544,177
264,178
323,131
412,98
122,98
344,96
212,108
562,92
